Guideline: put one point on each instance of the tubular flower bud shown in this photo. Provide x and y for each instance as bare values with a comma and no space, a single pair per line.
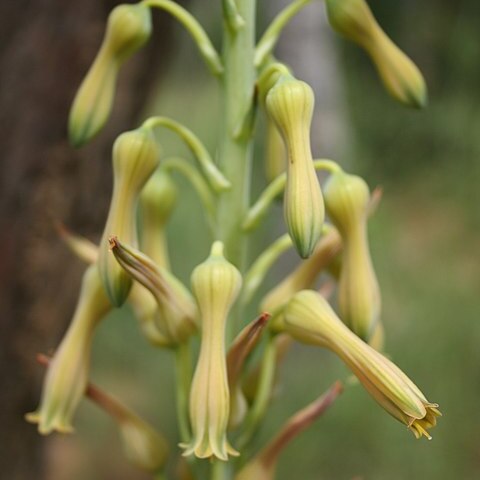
347,200
290,104
354,20
128,28
146,312
176,312
135,157
309,318
305,274
216,284
67,374
157,200
276,156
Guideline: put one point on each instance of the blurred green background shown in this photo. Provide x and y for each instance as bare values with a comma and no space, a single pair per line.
425,242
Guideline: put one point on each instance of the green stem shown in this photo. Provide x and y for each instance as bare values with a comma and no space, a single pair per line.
261,266
263,394
232,18
183,379
234,149
214,176
207,50
220,470
270,37
197,182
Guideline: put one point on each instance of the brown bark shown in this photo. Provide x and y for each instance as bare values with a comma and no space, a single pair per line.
46,47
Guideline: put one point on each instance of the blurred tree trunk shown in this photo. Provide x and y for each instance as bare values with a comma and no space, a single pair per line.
45,49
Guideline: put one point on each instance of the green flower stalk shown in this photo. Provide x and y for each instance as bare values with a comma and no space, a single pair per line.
144,446
354,20
216,284
310,319
290,104
135,158
305,274
128,28
347,199
67,374
275,154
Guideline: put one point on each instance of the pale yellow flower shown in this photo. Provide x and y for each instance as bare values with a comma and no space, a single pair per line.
310,319
67,374
290,104
216,284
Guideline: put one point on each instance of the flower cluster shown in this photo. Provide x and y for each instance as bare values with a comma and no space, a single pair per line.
222,404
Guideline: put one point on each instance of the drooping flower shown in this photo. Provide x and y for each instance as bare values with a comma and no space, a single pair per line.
310,319
135,158
347,199
216,284
354,20
128,28
290,104
67,375
176,312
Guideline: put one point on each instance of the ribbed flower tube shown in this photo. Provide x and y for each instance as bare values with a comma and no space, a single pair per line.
347,199
67,374
290,104
157,201
310,319
216,284
128,28
135,158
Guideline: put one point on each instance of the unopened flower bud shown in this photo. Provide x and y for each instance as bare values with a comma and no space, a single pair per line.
146,311
275,154
347,199
310,319
216,284
129,27
400,76
157,200
135,157
176,311
290,104
67,374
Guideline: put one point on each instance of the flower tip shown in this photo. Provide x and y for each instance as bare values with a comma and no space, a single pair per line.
78,138
113,242
45,428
